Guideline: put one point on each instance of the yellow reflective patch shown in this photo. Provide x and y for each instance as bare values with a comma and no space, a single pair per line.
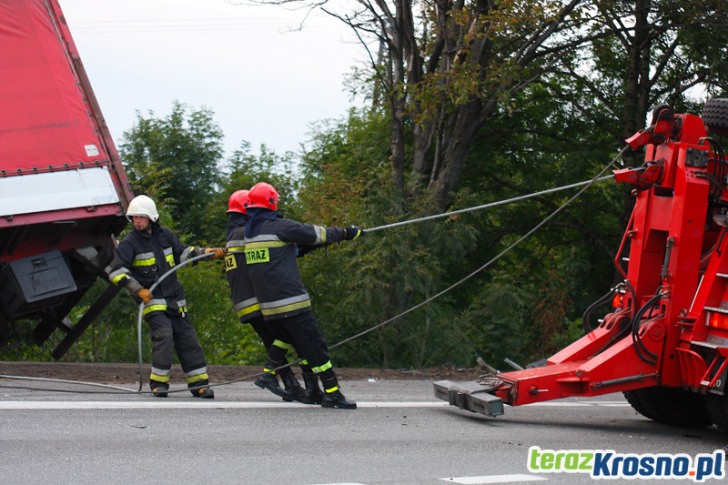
230,262
248,310
117,279
286,308
255,256
154,308
198,378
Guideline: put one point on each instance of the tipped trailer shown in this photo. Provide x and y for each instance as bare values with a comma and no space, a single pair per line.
665,342
63,190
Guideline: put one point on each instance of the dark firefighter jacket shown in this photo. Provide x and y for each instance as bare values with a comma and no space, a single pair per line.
241,287
270,256
141,258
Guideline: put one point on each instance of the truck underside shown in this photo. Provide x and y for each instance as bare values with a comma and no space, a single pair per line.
665,341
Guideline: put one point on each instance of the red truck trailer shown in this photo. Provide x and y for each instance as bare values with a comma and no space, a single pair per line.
63,190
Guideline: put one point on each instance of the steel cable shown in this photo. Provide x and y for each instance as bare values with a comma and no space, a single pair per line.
489,205
585,185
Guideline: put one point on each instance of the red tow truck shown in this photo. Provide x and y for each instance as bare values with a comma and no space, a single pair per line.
63,190
665,342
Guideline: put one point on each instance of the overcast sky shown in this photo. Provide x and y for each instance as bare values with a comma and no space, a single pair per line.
265,83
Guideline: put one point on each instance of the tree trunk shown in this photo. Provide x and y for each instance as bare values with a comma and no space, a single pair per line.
461,129
637,79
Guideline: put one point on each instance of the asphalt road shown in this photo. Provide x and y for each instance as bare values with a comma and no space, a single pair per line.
399,435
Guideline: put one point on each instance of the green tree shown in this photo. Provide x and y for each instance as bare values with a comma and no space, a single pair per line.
177,160
647,52
192,139
440,70
443,71
471,102
281,171
359,285
555,274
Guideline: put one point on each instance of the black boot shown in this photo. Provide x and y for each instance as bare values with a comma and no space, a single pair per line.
201,389
270,381
292,387
203,392
333,398
159,389
337,400
312,394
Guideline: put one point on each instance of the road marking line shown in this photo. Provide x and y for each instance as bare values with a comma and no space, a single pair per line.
494,479
172,404
218,404
345,483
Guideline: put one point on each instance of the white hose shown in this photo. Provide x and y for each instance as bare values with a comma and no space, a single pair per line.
65,381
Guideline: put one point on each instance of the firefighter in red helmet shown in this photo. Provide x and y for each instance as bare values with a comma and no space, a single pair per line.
237,202
263,195
142,257
270,256
247,306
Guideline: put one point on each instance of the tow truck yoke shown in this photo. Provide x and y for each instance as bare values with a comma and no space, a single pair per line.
665,342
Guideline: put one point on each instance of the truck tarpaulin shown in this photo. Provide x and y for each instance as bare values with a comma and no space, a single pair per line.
49,122
63,190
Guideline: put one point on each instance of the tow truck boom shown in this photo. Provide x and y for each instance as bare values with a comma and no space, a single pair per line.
665,342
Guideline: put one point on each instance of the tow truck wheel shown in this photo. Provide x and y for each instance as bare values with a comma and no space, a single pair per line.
718,410
671,406
715,115
633,398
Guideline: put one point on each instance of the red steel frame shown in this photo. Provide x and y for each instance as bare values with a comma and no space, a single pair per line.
671,236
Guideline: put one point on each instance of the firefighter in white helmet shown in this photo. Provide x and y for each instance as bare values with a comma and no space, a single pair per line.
146,253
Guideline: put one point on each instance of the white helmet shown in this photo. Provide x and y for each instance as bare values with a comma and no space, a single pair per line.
142,205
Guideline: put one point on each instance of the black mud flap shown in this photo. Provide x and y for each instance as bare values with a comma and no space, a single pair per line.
470,396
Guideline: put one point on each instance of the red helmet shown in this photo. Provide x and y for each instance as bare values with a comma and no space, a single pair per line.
263,195
238,201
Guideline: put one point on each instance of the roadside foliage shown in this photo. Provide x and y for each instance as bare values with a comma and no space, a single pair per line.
465,104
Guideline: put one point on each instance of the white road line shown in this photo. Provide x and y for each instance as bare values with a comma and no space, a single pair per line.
344,483
219,404
482,480
216,404
494,479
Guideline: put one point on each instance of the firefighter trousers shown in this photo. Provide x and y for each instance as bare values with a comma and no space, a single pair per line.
172,332
276,342
304,334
